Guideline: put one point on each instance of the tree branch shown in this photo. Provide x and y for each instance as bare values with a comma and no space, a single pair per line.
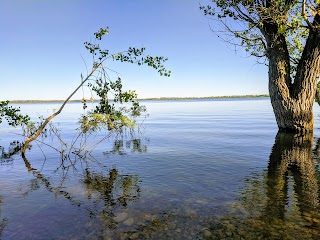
44,124
305,17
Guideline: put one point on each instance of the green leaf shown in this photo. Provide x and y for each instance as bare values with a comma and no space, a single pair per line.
282,29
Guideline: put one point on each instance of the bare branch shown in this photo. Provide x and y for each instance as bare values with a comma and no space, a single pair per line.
305,17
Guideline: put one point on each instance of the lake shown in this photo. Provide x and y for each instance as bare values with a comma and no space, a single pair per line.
195,169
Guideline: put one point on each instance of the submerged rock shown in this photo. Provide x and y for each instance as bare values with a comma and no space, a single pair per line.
207,233
120,217
129,222
201,201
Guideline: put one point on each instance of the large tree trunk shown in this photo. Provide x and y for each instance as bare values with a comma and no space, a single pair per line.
293,114
292,102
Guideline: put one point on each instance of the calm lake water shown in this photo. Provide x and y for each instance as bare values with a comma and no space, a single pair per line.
196,169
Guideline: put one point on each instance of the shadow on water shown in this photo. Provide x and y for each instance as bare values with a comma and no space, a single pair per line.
282,202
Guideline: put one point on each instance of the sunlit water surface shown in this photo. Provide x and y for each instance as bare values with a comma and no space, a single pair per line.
196,169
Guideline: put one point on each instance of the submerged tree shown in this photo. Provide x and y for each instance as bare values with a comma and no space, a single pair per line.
287,35
116,109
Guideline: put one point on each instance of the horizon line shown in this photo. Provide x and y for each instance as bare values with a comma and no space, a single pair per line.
151,98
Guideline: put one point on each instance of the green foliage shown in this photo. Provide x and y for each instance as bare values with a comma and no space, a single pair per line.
12,115
32,126
132,55
14,118
244,24
101,33
117,108
92,122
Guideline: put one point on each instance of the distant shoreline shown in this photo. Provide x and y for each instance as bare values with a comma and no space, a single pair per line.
154,99
211,97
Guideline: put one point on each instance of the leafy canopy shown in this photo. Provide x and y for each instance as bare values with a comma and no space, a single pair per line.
244,23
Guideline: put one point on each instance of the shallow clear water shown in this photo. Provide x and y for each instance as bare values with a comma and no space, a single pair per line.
197,169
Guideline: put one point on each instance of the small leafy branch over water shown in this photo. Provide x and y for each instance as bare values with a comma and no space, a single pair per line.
12,115
116,114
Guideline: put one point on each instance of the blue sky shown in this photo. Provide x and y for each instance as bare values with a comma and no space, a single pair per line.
42,43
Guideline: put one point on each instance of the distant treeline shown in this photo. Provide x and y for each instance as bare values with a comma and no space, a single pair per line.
161,98
41,101
211,97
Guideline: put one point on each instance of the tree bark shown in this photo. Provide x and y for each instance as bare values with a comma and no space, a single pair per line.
292,102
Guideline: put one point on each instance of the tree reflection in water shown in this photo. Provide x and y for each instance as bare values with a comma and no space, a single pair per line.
3,221
292,157
135,145
13,149
109,190
5,158
110,193
283,203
